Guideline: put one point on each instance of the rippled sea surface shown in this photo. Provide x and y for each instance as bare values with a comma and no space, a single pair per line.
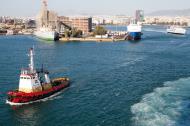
146,83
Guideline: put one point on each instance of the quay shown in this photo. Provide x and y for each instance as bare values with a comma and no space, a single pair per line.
91,39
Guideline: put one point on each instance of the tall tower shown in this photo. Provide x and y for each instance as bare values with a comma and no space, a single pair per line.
46,18
42,18
139,16
44,5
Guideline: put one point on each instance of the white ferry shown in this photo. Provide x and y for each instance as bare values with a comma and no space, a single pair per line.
176,30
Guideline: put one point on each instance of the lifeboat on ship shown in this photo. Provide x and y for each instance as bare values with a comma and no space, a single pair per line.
35,85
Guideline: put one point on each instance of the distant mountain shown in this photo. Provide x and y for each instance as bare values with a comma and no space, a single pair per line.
185,12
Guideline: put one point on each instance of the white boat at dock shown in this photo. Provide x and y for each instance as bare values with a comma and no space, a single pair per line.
10,32
47,34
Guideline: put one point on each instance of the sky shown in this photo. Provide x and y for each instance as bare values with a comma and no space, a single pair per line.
30,8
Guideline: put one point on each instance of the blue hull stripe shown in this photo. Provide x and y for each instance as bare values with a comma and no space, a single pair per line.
135,34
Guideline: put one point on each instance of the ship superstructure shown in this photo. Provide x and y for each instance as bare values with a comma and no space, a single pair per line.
29,80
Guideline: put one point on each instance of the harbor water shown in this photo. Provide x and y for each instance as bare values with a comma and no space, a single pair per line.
145,83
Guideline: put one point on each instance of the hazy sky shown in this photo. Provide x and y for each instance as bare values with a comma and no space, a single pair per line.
70,7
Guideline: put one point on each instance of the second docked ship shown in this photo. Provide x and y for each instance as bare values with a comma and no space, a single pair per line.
46,33
134,31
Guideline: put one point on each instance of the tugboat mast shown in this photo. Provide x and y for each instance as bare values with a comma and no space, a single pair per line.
31,65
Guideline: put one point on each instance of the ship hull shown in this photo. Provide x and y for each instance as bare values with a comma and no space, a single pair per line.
134,35
48,36
176,33
16,97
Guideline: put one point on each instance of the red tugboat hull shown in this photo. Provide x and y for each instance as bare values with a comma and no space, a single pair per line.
19,98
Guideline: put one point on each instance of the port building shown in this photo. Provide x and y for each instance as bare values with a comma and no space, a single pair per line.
51,19
80,23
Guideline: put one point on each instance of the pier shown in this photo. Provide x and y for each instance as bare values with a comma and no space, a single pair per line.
91,39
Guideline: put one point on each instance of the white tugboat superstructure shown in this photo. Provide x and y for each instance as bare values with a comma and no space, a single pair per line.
29,80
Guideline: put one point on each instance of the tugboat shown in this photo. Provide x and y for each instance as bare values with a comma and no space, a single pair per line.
35,85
